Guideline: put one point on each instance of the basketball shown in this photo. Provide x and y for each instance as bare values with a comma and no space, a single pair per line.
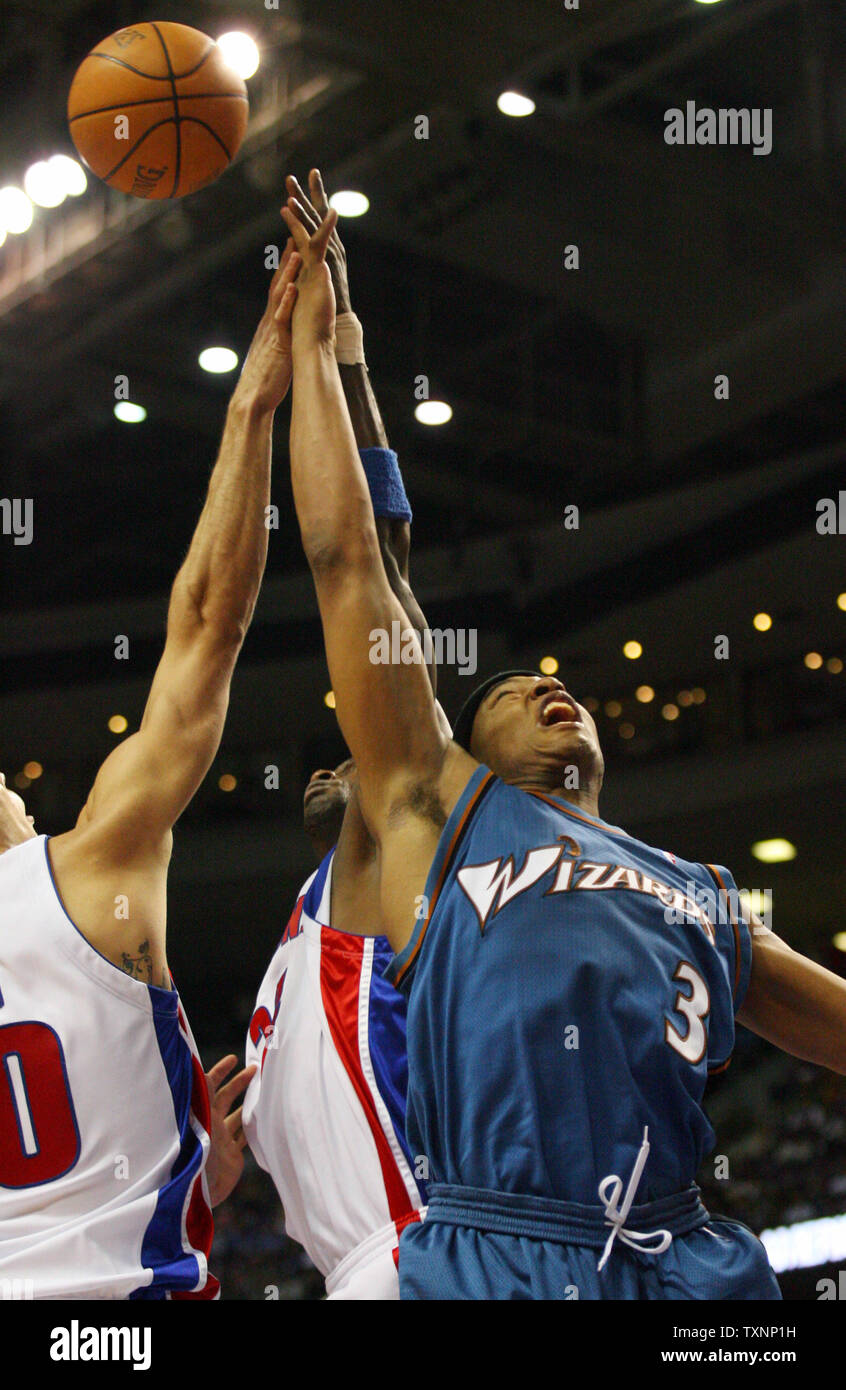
155,111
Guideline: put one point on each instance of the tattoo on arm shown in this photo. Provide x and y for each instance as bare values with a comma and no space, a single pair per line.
140,967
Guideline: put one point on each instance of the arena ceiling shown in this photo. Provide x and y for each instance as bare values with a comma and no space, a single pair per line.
591,387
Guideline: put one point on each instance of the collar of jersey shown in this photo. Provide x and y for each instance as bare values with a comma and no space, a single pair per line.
561,805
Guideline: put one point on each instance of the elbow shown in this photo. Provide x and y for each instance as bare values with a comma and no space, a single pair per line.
222,619
227,633
333,556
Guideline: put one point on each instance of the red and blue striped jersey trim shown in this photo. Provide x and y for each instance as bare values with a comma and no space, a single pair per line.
182,1227
340,979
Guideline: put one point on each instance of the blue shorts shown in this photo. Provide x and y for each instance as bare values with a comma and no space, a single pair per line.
454,1254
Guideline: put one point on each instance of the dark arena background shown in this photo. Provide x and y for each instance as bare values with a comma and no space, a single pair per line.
642,478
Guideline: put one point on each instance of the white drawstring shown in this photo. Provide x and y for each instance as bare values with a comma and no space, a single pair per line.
609,1194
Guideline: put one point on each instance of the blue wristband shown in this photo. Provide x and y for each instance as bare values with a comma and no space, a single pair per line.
385,482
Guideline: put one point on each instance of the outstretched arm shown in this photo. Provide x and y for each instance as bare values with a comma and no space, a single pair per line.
310,211
365,417
146,783
355,877
386,711
118,852
795,1003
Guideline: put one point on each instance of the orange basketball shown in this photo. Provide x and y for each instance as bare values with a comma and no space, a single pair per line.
155,111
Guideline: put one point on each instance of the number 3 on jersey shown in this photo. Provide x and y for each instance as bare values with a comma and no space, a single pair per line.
39,1138
695,1008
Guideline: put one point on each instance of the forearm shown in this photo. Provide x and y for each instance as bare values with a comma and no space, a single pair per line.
365,418
330,489
221,575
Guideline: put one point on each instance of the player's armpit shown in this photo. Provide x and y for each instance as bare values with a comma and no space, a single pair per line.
355,903
795,1003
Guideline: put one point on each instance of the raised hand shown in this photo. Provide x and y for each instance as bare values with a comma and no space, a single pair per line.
314,319
311,213
268,366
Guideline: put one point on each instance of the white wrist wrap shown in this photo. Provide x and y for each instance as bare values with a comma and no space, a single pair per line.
349,340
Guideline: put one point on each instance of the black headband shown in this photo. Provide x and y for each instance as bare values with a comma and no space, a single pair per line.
463,727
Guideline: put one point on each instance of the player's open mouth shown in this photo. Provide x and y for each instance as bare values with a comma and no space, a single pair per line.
557,709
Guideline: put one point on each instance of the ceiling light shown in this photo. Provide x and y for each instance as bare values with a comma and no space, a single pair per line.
515,104
348,203
757,901
130,414
240,53
776,851
433,412
16,210
45,186
218,359
71,172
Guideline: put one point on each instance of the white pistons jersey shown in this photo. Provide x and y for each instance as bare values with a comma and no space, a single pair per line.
104,1113
325,1112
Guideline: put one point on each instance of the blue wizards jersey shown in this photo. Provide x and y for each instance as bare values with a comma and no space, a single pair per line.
569,987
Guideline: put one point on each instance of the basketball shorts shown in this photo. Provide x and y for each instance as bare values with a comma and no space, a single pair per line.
480,1245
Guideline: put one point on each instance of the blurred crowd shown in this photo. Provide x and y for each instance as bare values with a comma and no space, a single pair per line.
781,1126
253,1256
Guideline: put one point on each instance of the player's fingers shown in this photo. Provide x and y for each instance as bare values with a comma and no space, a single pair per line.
288,271
292,269
306,215
296,228
299,194
295,190
320,240
279,273
236,1087
235,1127
285,310
219,1072
319,200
